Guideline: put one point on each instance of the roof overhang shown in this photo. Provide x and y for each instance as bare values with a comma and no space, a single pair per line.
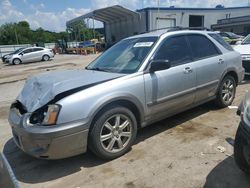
110,14
230,22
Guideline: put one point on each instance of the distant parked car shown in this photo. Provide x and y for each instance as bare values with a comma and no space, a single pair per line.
31,54
242,138
244,49
230,37
7,177
10,54
138,81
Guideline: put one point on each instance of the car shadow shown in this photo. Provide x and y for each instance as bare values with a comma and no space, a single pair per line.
27,63
227,175
31,170
246,80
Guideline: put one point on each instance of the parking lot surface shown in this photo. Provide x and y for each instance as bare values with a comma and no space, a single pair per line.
192,149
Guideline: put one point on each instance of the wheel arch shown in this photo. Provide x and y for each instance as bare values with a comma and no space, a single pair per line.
132,104
45,55
14,60
232,72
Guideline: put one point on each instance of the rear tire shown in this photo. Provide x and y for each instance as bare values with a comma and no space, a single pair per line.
16,61
239,156
45,58
226,92
113,133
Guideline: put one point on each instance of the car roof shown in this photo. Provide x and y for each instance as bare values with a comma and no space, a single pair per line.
32,47
161,32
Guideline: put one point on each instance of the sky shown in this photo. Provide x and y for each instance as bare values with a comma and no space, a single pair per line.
53,14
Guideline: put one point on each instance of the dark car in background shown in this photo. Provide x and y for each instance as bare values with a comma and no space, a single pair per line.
230,37
10,54
242,138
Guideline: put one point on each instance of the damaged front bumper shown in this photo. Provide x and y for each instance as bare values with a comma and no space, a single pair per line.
48,142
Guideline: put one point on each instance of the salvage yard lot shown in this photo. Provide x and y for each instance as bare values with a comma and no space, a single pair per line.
192,149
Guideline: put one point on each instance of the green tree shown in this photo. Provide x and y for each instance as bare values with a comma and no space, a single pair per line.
13,33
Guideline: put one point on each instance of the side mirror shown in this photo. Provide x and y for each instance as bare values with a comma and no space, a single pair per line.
21,54
157,65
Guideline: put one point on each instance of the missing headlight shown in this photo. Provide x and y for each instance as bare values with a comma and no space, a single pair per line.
38,116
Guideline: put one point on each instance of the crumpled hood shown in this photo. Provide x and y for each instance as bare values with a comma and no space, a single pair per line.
243,49
40,89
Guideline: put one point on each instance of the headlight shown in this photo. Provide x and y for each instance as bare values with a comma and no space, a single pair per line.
51,115
45,116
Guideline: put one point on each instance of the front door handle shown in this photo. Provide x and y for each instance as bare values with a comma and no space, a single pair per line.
188,70
221,61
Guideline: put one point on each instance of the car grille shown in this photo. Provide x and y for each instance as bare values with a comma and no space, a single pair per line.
246,65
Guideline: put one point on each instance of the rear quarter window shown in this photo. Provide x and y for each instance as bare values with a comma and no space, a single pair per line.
220,40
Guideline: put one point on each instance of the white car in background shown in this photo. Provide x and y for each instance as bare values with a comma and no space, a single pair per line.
31,54
244,49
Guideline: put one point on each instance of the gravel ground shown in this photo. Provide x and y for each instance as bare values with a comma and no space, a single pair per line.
186,150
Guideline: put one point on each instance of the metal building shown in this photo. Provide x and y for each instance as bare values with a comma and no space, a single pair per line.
120,22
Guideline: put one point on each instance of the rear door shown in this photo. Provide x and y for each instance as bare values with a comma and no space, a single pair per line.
171,90
38,54
209,64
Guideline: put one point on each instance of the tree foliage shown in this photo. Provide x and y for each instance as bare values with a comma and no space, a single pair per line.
20,33
80,32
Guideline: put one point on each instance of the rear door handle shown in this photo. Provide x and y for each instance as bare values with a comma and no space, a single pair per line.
221,61
188,70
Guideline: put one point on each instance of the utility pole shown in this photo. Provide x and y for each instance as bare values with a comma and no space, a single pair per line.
93,27
16,34
158,14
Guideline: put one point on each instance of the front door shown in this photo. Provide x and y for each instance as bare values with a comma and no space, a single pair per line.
27,55
169,91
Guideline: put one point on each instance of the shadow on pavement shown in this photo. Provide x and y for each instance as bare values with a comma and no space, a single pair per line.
227,175
31,170
246,80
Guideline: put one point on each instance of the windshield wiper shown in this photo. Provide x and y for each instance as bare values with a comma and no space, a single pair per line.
98,69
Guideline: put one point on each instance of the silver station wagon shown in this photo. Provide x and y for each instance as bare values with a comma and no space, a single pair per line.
140,80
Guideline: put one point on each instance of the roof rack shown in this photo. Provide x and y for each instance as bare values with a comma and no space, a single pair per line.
179,28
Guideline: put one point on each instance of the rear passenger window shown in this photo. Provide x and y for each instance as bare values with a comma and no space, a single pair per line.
202,47
175,50
37,49
220,40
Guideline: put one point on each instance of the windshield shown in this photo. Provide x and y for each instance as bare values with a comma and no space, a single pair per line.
124,57
18,50
246,40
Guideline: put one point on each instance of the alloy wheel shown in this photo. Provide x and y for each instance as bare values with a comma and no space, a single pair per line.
228,91
116,133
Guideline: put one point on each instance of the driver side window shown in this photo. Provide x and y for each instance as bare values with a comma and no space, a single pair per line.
27,51
175,50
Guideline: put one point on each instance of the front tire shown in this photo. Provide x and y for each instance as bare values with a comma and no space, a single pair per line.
226,92
240,151
16,61
113,133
